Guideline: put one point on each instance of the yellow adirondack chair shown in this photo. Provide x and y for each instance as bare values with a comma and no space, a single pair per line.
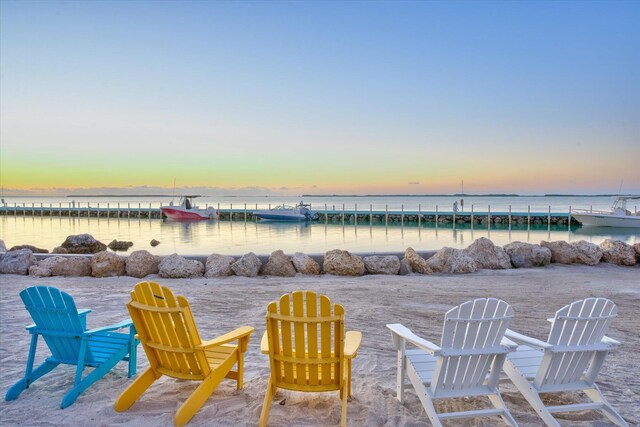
170,339
308,349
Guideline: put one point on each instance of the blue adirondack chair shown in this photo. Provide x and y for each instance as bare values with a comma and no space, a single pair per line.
63,328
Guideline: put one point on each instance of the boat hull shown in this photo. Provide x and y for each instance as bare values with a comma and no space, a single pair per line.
604,220
279,216
175,213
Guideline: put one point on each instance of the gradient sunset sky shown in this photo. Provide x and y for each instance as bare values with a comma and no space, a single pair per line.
320,97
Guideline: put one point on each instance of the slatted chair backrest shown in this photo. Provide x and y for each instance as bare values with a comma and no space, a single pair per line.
167,331
576,334
471,339
306,342
56,317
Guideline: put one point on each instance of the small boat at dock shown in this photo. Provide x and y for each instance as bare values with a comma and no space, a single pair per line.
187,210
300,212
618,216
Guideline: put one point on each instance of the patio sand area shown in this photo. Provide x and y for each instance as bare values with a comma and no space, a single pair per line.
370,302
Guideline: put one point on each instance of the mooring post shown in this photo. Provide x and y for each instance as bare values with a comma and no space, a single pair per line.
41,209
509,216
419,214
128,210
436,216
591,209
139,210
230,211
489,215
343,214
386,215
245,212
549,217
118,209
402,215
356,215
326,214
569,219
528,216
50,209
370,215
472,215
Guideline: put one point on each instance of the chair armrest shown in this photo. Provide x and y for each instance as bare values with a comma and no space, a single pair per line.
611,342
84,311
399,331
352,341
264,344
526,340
508,343
115,326
235,335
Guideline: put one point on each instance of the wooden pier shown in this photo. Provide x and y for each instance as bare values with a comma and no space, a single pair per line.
326,215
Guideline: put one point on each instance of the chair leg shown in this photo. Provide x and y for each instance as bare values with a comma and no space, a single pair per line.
135,390
530,394
240,381
345,398
595,395
497,401
266,406
202,393
26,381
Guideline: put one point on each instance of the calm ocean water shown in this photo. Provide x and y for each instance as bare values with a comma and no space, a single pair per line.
238,237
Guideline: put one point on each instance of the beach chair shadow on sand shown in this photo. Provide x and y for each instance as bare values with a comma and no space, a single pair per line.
467,363
63,328
307,347
170,338
570,360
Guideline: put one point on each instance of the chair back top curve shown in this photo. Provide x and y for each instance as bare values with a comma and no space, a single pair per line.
167,331
56,318
306,342
576,333
471,338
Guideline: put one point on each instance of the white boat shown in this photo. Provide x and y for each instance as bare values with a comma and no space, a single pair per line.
187,210
618,216
300,212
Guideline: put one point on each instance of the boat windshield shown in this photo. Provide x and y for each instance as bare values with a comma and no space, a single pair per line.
283,207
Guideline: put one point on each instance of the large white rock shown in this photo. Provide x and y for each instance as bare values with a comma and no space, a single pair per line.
16,262
75,266
617,252
177,267
248,265
343,263
415,263
305,264
487,255
278,264
527,255
561,252
107,264
43,267
142,263
219,265
587,253
450,260
376,264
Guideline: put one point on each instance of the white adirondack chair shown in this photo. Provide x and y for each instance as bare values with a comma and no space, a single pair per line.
569,361
468,363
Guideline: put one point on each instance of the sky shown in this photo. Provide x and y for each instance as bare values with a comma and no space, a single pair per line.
320,97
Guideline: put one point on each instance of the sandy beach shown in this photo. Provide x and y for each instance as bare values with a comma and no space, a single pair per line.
370,302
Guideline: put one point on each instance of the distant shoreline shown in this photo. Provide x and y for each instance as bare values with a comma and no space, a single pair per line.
85,196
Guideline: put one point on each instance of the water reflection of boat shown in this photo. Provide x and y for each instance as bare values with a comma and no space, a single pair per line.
618,233
618,216
187,210
300,212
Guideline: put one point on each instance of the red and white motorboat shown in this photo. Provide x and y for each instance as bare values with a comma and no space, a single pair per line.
188,210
